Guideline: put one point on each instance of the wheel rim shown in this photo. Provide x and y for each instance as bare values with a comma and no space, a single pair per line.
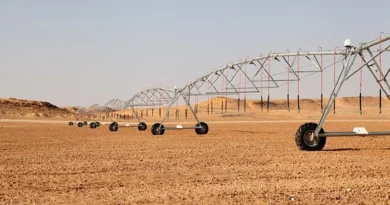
155,130
114,126
201,128
159,129
310,139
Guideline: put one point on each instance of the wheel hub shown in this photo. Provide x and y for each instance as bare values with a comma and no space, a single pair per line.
310,139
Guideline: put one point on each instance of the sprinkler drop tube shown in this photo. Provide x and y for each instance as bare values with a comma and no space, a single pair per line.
238,105
244,104
360,103
268,103
226,105
380,101
288,102
261,103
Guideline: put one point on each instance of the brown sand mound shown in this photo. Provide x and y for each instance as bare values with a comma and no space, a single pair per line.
29,108
71,109
32,115
366,101
42,115
16,108
59,117
274,104
255,108
282,104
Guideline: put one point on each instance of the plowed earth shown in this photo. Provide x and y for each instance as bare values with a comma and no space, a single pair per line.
236,163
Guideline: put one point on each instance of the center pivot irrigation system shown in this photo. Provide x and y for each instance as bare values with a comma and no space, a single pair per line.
311,136
112,105
257,76
150,97
96,111
86,113
253,75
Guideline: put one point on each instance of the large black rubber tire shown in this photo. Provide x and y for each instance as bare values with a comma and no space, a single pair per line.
97,124
142,126
155,129
80,124
85,123
114,127
204,128
92,125
70,124
306,141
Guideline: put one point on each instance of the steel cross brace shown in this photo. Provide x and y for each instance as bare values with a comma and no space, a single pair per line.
178,93
366,64
290,65
262,67
268,75
136,114
352,53
246,75
166,98
231,79
380,71
197,87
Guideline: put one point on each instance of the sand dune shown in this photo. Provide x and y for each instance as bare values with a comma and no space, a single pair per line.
218,107
18,108
282,104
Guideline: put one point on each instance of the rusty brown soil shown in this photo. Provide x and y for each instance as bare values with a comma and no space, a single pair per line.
236,163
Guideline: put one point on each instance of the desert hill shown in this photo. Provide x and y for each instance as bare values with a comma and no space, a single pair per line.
216,109
71,109
18,108
305,104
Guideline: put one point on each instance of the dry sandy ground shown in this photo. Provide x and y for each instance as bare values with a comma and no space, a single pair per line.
237,163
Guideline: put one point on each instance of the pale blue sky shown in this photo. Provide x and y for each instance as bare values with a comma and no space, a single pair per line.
81,52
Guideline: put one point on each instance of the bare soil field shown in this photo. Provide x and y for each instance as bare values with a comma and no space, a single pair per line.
236,163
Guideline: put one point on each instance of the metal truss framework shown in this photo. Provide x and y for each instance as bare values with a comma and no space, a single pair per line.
112,105
81,112
150,97
311,136
265,72
370,61
88,111
253,75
